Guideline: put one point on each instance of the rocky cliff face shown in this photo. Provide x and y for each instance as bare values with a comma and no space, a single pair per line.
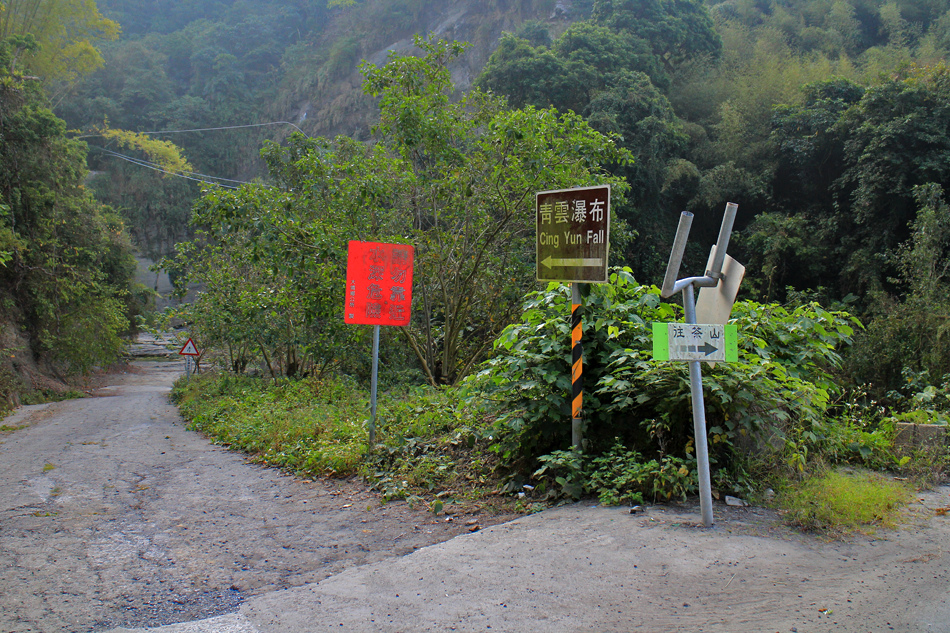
338,106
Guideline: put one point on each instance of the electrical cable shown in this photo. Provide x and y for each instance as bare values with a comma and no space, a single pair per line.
157,167
187,175
229,127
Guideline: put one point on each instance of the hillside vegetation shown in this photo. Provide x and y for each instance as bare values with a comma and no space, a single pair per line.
66,263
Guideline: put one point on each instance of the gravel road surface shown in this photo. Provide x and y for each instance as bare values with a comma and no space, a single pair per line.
591,568
115,518
113,514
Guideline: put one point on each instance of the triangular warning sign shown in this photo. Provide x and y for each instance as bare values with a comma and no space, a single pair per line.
189,349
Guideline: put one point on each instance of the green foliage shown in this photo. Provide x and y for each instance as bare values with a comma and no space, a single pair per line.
840,503
186,66
67,265
860,433
908,335
312,427
723,69
527,380
843,191
618,476
10,387
65,33
614,69
896,138
90,334
676,30
455,179
779,391
427,446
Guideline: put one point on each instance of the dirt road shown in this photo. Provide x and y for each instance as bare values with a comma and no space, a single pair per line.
113,514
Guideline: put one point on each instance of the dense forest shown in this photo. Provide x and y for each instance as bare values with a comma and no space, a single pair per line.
820,119
247,142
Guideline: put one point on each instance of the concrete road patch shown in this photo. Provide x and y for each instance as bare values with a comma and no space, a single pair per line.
231,623
583,568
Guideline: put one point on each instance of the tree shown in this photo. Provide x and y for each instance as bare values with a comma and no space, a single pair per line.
798,243
474,168
65,260
897,137
528,75
677,30
634,110
610,53
67,32
908,334
454,176
582,61
614,69
850,157
272,258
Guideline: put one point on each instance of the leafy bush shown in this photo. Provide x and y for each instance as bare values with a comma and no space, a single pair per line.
527,384
861,433
778,392
618,476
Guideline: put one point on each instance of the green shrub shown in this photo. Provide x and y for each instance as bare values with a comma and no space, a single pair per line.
618,476
313,426
621,476
777,393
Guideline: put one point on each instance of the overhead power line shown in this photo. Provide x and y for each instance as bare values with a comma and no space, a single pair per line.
228,127
191,175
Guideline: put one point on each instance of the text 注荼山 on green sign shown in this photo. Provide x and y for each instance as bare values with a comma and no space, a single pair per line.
688,341
573,234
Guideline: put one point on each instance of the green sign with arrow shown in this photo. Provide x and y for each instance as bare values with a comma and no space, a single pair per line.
692,341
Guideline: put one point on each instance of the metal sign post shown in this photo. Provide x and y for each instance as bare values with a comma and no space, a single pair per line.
687,286
577,368
373,380
573,238
189,350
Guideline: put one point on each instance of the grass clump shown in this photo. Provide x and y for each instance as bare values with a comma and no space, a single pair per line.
428,449
313,427
843,502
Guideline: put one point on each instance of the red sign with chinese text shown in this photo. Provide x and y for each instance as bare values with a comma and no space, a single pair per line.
378,283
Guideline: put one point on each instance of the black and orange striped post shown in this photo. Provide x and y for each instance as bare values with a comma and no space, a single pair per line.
577,368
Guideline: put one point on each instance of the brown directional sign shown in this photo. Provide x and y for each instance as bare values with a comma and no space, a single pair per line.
573,234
